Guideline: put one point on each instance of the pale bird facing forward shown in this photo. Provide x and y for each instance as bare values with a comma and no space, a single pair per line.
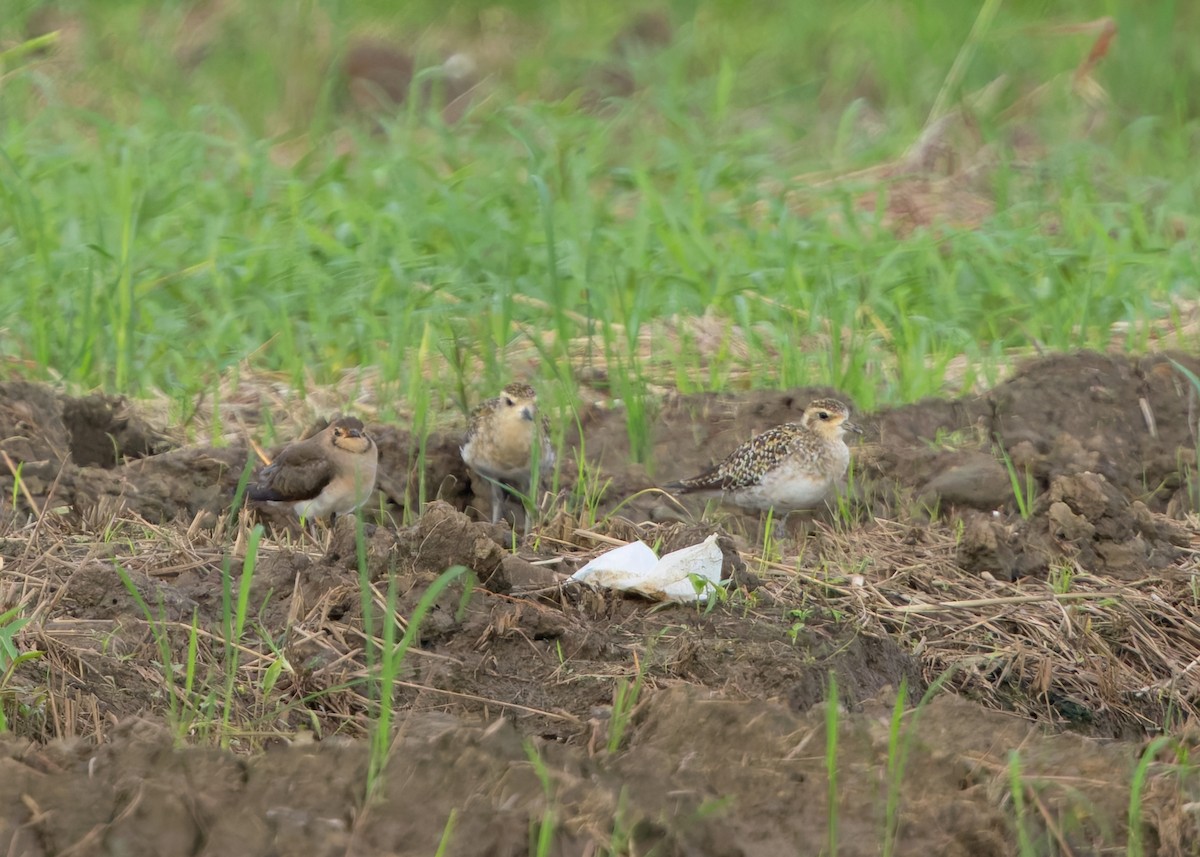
331,473
789,467
504,439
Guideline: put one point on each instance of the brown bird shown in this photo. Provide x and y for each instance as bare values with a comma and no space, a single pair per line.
789,467
501,440
331,473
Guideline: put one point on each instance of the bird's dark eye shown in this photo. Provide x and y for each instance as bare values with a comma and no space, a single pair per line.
508,401
823,415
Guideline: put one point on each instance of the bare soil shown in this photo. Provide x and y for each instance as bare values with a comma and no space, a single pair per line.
1054,641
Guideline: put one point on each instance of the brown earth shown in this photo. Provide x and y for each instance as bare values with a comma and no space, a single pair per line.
1057,642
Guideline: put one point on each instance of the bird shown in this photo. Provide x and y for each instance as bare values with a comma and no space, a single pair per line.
504,440
331,473
786,468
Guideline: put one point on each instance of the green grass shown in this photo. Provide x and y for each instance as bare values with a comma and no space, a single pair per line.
832,719
147,204
1135,846
542,830
626,694
234,610
900,743
11,623
1017,786
181,710
1024,486
447,833
390,657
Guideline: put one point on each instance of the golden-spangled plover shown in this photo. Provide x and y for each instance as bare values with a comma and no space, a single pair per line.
503,441
331,473
789,467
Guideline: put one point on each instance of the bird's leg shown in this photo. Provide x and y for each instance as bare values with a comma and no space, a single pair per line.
798,525
527,509
497,501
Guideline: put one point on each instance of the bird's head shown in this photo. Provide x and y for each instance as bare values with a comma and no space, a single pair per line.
349,435
518,401
829,418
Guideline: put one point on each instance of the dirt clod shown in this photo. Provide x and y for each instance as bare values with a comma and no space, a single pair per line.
444,537
103,432
977,480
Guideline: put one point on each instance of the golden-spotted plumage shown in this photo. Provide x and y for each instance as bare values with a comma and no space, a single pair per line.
330,473
501,442
791,466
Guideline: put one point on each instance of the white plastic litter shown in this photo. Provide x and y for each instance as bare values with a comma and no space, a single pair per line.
635,568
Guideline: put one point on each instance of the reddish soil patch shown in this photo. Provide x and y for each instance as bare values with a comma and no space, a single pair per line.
1079,614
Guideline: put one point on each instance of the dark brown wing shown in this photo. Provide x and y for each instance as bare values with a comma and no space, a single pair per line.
298,473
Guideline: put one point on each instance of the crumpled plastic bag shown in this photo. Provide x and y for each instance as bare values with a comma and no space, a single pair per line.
635,568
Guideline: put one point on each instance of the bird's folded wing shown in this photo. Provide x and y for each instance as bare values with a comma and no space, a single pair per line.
297,474
751,461
479,415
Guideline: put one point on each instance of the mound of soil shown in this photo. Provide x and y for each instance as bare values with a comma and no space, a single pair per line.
38,424
1083,521
697,773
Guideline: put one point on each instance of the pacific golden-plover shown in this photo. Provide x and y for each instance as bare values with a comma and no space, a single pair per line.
331,473
504,440
789,467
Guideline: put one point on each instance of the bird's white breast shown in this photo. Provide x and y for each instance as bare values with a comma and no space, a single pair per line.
344,494
505,455
795,483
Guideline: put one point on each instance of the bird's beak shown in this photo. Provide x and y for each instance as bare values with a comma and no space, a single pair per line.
527,413
852,427
354,432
